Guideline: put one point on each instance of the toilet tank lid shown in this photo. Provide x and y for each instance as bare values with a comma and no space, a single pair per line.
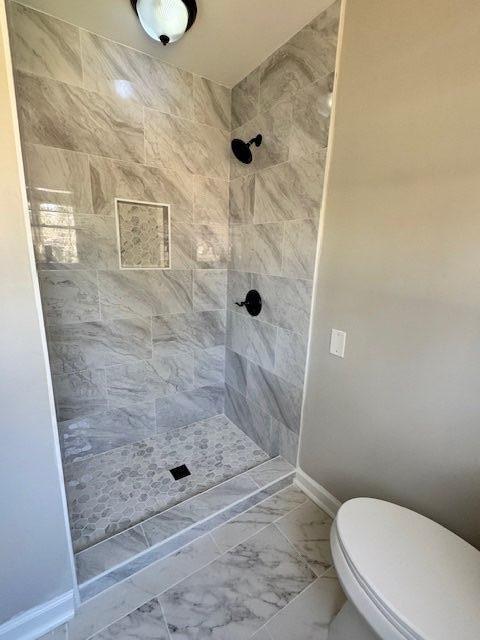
423,574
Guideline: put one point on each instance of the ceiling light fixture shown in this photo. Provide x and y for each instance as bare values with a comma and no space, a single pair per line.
165,20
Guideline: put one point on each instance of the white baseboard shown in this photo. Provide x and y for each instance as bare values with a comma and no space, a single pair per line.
34,623
317,493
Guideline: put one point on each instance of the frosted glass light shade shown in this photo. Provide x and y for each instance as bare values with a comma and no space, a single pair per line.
163,18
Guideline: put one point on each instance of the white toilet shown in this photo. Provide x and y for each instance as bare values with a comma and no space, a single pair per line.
405,576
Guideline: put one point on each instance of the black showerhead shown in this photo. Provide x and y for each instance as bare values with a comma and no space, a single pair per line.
241,150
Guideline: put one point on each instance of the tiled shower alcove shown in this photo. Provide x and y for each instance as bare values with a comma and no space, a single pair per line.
148,351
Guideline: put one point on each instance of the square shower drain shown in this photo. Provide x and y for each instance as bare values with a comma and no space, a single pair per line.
180,472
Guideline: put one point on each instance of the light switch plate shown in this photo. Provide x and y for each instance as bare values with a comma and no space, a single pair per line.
337,343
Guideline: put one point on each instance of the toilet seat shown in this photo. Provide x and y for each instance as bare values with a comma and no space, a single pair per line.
410,578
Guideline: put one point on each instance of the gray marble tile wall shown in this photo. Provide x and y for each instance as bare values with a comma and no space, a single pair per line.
133,353
274,215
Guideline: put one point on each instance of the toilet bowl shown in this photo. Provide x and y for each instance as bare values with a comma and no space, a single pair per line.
405,576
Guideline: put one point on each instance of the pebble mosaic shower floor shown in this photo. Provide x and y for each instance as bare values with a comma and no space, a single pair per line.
110,492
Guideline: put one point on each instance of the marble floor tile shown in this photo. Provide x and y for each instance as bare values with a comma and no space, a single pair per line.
255,580
69,296
60,633
271,471
90,435
60,115
308,616
74,241
210,201
209,289
250,522
113,491
308,528
45,46
109,553
245,96
58,180
111,67
262,634
111,179
211,103
146,622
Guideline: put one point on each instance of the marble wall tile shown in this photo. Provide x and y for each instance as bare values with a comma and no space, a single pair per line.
236,371
211,103
266,248
275,125
80,394
185,145
245,96
310,54
210,246
287,441
209,289
209,367
291,356
164,185
286,301
241,241
87,345
289,191
148,380
126,294
309,616
300,248
239,284
279,398
257,424
186,407
59,115
256,579
109,66
251,338
311,118
74,241
45,46
210,200
181,333
182,245
90,435
242,199
58,180
69,296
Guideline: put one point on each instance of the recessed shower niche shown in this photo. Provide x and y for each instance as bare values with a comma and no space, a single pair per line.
143,233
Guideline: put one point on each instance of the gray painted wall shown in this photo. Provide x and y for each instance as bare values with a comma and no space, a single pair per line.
274,211
35,556
398,418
